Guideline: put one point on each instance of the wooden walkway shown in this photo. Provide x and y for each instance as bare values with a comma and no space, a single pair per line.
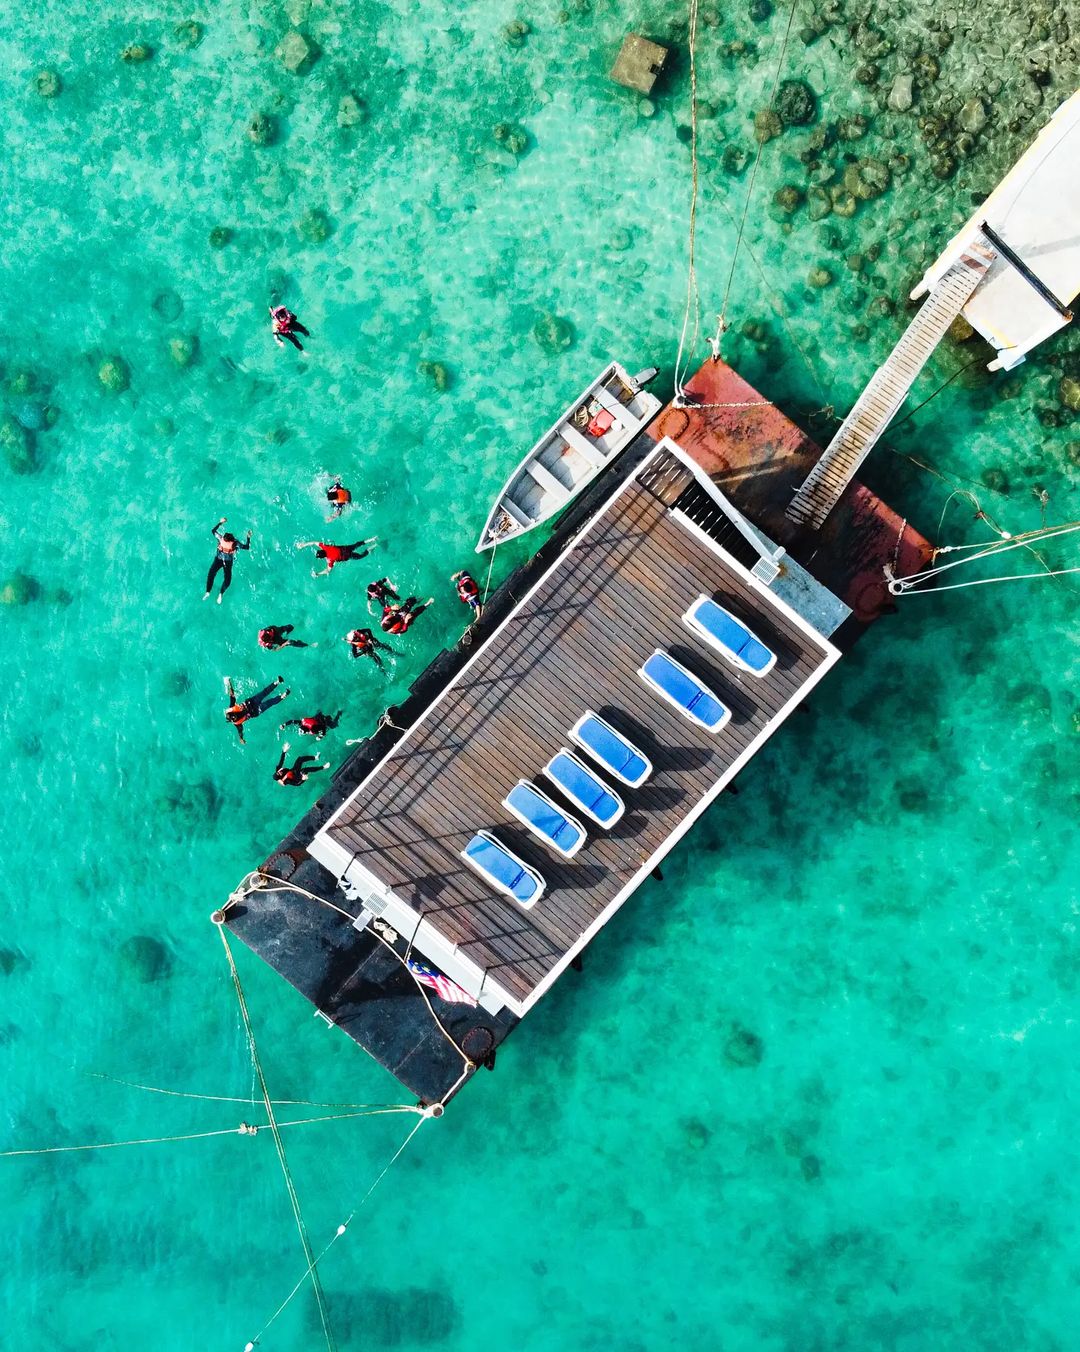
575,644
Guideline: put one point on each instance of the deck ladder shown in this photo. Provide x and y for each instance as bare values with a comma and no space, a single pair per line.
888,388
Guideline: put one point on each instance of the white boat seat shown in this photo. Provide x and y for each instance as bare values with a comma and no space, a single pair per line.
593,455
516,513
546,479
619,412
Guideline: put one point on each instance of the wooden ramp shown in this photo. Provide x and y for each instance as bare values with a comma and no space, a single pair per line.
880,401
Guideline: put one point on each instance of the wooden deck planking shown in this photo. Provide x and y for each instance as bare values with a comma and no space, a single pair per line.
569,649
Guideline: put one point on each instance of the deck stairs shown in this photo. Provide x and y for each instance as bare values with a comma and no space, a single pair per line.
881,400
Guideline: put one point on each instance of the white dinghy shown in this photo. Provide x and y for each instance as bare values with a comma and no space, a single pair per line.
583,441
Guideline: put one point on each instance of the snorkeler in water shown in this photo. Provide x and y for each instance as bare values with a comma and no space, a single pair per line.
314,725
468,593
284,324
382,592
274,636
227,545
397,619
334,554
363,643
240,711
339,498
298,772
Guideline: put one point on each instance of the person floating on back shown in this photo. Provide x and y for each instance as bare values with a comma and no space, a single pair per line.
336,553
239,711
397,619
227,545
382,592
275,636
314,725
363,643
339,498
468,593
298,772
284,324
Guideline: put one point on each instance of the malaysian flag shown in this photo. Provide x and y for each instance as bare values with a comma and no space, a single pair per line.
443,987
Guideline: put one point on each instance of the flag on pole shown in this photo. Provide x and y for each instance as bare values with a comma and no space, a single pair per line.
443,987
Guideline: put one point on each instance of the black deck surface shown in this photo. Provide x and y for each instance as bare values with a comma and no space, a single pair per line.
576,644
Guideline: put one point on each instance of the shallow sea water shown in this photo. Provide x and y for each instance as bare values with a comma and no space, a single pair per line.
816,1089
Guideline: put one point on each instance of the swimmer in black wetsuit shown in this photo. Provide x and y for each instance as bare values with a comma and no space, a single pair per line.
363,643
297,773
381,592
275,636
284,324
239,711
227,545
314,725
397,619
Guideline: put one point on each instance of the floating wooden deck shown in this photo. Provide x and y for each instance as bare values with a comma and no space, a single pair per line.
574,643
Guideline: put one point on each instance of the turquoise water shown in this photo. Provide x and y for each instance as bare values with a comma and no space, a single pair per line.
816,1089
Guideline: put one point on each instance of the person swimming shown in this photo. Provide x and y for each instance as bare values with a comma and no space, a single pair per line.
363,643
240,711
227,545
382,592
334,554
314,725
297,773
397,619
284,324
274,636
339,497
468,592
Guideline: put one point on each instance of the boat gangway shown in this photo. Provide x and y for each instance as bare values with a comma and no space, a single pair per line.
879,403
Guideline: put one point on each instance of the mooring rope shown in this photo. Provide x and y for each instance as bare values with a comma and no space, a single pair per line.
899,586
222,1098
290,1186
314,1262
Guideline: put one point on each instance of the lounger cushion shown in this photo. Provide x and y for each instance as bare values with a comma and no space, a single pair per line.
732,635
498,864
545,818
584,787
684,690
612,750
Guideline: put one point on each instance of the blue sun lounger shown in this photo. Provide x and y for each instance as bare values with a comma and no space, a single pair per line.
503,869
534,809
619,756
730,637
682,689
584,788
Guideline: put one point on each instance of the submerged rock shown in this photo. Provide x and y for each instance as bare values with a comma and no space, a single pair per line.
743,1048
436,372
512,137
314,226
144,958
9,960
219,236
262,130
760,10
972,116
184,349
351,111
844,203
137,52
819,277
788,198
17,446
19,590
553,334
296,52
1069,393
900,96
189,33
960,330
168,306
796,103
114,375
867,179
515,32
818,203
47,84
767,124
734,159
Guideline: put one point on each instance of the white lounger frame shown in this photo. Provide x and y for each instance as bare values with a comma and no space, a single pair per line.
576,739
699,631
528,784
494,882
715,727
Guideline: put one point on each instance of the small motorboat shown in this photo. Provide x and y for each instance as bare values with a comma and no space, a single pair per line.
583,441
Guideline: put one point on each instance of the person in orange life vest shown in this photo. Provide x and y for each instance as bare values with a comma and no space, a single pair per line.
382,592
275,636
284,324
227,545
314,725
339,497
239,711
298,772
468,592
363,643
397,619
336,553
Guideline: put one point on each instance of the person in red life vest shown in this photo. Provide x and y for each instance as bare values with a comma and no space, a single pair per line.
284,324
336,553
363,643
239,711
468,593
339,498
314,725
397,619
382,592
275,636
227,545
298,772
